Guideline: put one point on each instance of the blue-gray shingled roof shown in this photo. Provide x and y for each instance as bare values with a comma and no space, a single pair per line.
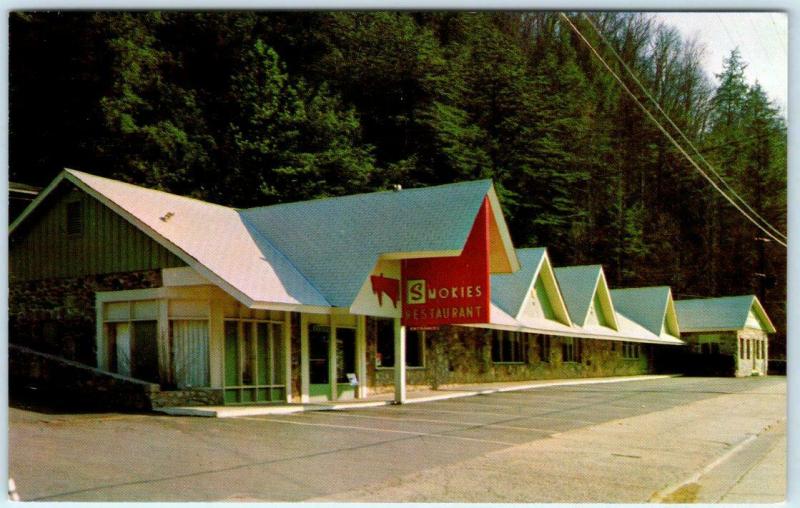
577,284
509,290
646,306
724,313
335,242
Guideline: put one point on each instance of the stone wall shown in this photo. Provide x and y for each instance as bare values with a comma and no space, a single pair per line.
455,355
73,384
58,315
753,366
195,397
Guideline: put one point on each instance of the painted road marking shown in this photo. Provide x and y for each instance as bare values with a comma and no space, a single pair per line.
426,420
391,431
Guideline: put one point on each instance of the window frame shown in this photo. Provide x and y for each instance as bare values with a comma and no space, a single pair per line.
74,218
544,346
570,350
516,344
422,338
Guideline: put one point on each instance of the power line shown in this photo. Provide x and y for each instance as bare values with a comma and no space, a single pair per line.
678,129
667,134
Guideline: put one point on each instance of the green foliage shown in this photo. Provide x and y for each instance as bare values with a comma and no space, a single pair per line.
253,108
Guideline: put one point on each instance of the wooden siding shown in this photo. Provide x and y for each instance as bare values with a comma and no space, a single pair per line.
41,248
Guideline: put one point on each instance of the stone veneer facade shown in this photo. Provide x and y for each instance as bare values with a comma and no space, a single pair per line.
58,315
729,361
455,355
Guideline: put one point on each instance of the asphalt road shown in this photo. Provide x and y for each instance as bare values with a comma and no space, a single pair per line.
619,442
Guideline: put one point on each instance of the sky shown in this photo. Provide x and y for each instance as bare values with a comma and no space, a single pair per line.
760,36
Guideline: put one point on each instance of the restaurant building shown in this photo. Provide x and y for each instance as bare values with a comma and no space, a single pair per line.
330,299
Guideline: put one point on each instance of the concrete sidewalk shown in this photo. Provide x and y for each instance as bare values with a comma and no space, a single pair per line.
385,399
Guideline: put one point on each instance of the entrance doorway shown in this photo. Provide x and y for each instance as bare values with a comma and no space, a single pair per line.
319,371
345,362
332,361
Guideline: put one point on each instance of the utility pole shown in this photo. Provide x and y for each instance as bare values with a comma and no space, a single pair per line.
762,268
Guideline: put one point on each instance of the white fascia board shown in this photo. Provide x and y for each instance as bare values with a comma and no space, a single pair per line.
502,228
607,297
762,313
164,242
518,313
557,299
671,315
291,307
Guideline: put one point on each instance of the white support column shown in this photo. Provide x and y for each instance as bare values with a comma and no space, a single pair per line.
332,360
361,356
100,339
304,373
164,367
399,362
287,354
216,343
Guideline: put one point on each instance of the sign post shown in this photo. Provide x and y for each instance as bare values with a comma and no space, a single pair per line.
399,362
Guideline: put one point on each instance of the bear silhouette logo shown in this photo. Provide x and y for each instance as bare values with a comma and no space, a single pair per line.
385,286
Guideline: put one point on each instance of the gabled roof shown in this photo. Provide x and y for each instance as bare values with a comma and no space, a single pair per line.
335,242
514,292
650,307
214,240
725,313
315,253
510,290
580,285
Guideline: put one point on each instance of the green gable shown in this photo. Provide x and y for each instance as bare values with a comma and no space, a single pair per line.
73,235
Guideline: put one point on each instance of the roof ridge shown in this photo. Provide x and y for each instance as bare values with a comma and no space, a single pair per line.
373,193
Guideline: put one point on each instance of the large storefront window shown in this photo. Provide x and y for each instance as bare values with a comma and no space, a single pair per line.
132,339
415,345
254,367
189,352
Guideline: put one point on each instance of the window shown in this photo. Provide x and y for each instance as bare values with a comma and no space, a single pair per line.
254,366
630,350
415,345
415,348
544,348
613,345
570,349
131,333
747,346
709,348
189,352
741,348
384,356
74,218
509,347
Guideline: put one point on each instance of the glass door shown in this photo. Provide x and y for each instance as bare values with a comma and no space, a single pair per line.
345,363
318,361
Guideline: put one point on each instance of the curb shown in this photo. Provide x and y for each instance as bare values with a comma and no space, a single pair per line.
242,411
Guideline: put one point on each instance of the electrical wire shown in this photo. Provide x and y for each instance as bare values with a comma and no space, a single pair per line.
667,134
678,129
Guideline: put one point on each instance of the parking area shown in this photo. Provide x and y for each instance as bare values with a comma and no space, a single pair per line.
123,457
